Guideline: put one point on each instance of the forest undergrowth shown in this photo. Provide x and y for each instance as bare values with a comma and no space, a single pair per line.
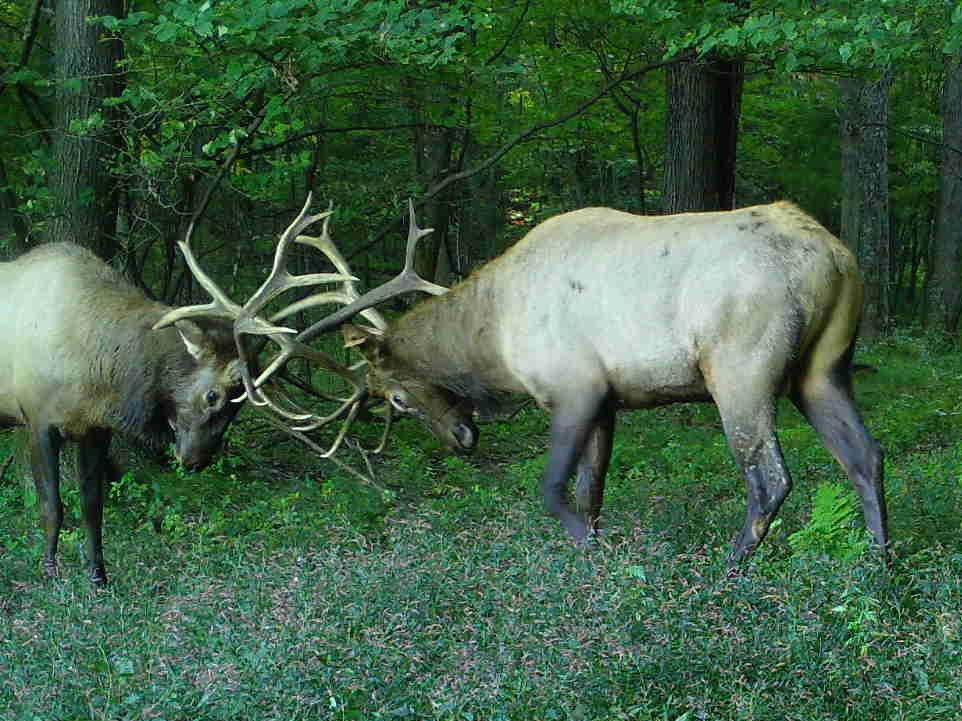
273,586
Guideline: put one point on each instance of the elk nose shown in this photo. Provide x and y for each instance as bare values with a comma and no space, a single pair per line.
466,434
191,460
195,463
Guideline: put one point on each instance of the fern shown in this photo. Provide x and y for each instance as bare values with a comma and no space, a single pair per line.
831,530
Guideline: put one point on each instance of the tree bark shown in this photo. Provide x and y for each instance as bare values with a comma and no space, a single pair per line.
704,103
83,193
850,129
945,287
434,152
865,209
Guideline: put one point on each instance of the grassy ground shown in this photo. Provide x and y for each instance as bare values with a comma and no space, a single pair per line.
277,589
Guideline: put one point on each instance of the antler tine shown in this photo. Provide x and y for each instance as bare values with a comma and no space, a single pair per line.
414,235
388,422
352,414
280,279
289,349
220,306
404,282
348,293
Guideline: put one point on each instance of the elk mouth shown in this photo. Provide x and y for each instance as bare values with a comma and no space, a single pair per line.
195,463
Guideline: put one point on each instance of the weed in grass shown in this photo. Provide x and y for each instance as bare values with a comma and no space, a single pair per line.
830,530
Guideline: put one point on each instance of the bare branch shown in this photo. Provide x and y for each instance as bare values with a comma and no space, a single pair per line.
509,146
297,137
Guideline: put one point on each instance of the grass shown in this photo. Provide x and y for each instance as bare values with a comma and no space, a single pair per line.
271,587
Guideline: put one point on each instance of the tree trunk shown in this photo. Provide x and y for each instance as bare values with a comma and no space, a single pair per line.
945,287
434,146
704,102
83,193
850,130
865,210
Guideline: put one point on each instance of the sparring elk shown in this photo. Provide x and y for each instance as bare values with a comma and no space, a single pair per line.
597,310
79,360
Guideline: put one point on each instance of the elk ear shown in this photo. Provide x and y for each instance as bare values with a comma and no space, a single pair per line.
367,342
193,337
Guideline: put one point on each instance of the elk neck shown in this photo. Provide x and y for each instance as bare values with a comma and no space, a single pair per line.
454,340
144,367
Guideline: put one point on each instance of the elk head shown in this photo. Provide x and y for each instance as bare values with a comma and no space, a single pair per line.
201,407
449,416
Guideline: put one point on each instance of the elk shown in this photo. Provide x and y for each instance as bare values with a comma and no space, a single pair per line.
79,360
597,310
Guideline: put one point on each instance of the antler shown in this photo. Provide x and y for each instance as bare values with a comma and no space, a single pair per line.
404,282
248,321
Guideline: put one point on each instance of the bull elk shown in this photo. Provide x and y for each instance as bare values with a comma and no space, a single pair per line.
596,310
78,360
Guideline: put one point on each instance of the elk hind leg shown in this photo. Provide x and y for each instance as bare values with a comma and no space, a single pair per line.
826,400
94,468
593,467
45,445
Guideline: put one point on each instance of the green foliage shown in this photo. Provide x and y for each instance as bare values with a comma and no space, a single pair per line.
795,35
831,528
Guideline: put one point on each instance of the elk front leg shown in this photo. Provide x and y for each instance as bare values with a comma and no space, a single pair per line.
751,437
570,429
593,467
45,444
94,468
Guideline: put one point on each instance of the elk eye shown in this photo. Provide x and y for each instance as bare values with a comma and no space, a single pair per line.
212,398
397,400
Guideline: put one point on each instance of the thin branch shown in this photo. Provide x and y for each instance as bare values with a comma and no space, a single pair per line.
325,131
509,146
37,116
30,33
229,162
918,137
511,35
29,38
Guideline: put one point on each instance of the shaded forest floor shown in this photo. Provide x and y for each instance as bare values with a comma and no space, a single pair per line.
273,587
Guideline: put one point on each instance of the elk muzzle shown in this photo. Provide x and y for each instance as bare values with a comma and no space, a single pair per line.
457,430
195,448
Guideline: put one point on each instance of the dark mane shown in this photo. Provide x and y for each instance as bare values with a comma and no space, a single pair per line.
488,402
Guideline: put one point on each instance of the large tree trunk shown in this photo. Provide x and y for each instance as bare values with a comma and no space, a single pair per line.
865,210
946,294
86,67
704,103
